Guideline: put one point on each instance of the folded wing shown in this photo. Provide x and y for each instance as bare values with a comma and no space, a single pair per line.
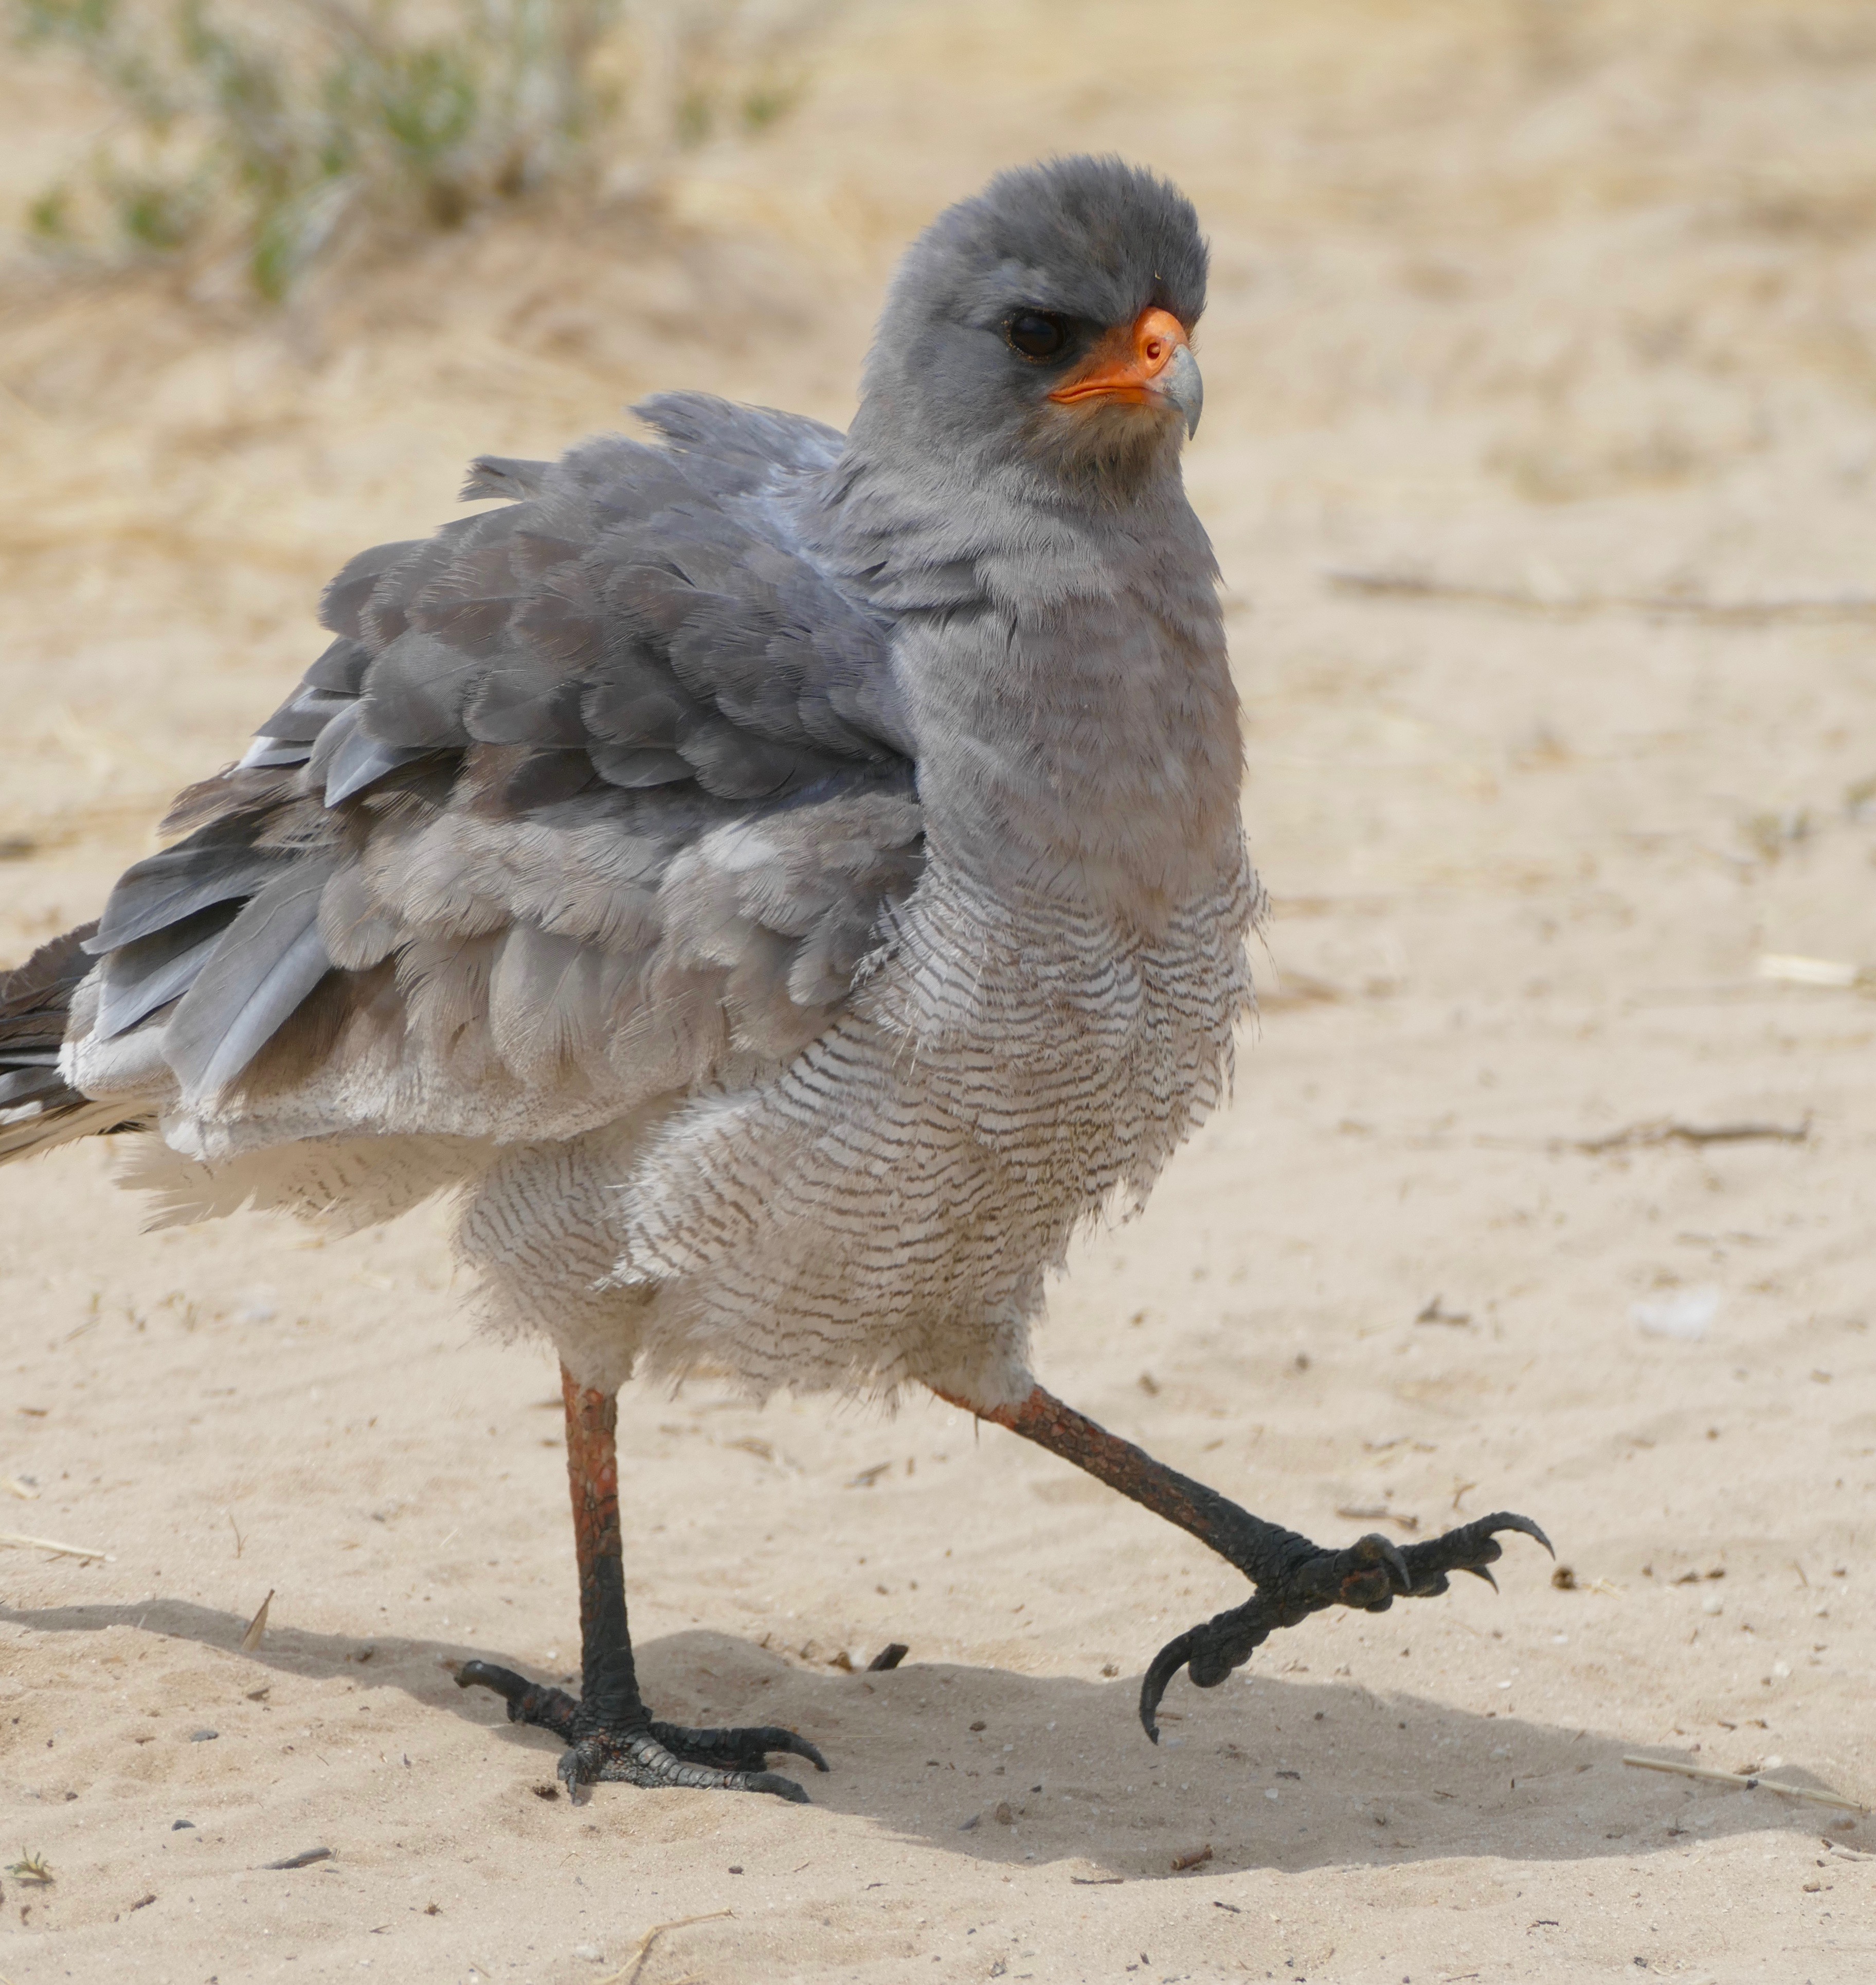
590,796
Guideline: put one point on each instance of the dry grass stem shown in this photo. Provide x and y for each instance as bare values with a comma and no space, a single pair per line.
1742,612
1834,974
1745,1781
1379,1513
1664,1131
304,1858
628,1973
51,1544
257,1626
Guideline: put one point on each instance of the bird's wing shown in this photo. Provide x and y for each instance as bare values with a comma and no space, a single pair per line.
590,794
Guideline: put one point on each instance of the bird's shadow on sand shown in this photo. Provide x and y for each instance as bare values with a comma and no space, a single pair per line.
1024,1769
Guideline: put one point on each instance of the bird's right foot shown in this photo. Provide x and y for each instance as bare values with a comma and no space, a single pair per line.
615,1737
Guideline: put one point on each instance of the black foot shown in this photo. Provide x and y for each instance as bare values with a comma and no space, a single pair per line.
616,1739
1370,1574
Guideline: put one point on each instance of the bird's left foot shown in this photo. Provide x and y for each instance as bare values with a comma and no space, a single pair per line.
1369,1573
616,1738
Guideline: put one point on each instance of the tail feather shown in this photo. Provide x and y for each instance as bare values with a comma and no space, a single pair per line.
27,1131
35,997
38,1107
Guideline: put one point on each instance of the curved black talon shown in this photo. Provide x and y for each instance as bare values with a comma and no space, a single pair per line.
618,1740
1211,1651
1159,1672
1369,1574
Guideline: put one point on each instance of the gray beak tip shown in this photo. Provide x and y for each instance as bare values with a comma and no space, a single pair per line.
1184,386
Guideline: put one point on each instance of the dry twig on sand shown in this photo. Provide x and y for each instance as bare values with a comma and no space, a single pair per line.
1744,1781
304,1858
628,1972
51,1544
257,1627
1664,1130
1379,1513
1829,975
1528,600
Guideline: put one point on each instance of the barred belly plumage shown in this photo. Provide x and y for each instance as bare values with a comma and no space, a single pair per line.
887,1208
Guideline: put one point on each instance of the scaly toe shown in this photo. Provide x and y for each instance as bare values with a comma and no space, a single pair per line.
1376,1576
744,1750
641,1760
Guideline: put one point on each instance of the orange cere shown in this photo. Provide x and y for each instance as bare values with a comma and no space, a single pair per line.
1124,365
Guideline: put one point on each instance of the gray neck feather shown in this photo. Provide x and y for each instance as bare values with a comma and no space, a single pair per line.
1062,658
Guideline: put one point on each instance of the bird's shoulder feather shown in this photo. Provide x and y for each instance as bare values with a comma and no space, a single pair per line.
615,776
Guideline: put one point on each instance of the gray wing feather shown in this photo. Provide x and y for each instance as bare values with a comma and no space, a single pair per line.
637,766
343,604
353,759
524,727
730,437
141,976
415,689
34,1080
218,865
271,958
305,713
264,755
502,475
341,668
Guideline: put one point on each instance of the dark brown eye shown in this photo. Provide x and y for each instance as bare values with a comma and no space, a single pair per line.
1036,334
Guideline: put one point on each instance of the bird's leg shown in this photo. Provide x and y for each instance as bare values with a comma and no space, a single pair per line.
609,1732
1293,1577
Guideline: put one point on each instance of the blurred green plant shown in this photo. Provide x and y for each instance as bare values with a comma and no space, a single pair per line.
277,129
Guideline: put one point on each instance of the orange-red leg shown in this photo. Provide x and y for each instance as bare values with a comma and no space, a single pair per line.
598,1551
609,1733
1293,1577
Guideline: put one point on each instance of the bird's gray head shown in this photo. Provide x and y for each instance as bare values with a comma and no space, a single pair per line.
1044,325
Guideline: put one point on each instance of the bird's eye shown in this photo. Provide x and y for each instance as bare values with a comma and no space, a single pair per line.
1037,334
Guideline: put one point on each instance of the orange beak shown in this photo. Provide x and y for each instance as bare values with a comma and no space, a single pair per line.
1149,365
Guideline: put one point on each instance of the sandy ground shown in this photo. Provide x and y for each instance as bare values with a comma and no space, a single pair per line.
1562,312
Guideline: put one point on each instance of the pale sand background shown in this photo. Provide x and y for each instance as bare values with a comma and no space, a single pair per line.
1573,302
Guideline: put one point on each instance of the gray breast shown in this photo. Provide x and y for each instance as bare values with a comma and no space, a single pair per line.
887,1210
